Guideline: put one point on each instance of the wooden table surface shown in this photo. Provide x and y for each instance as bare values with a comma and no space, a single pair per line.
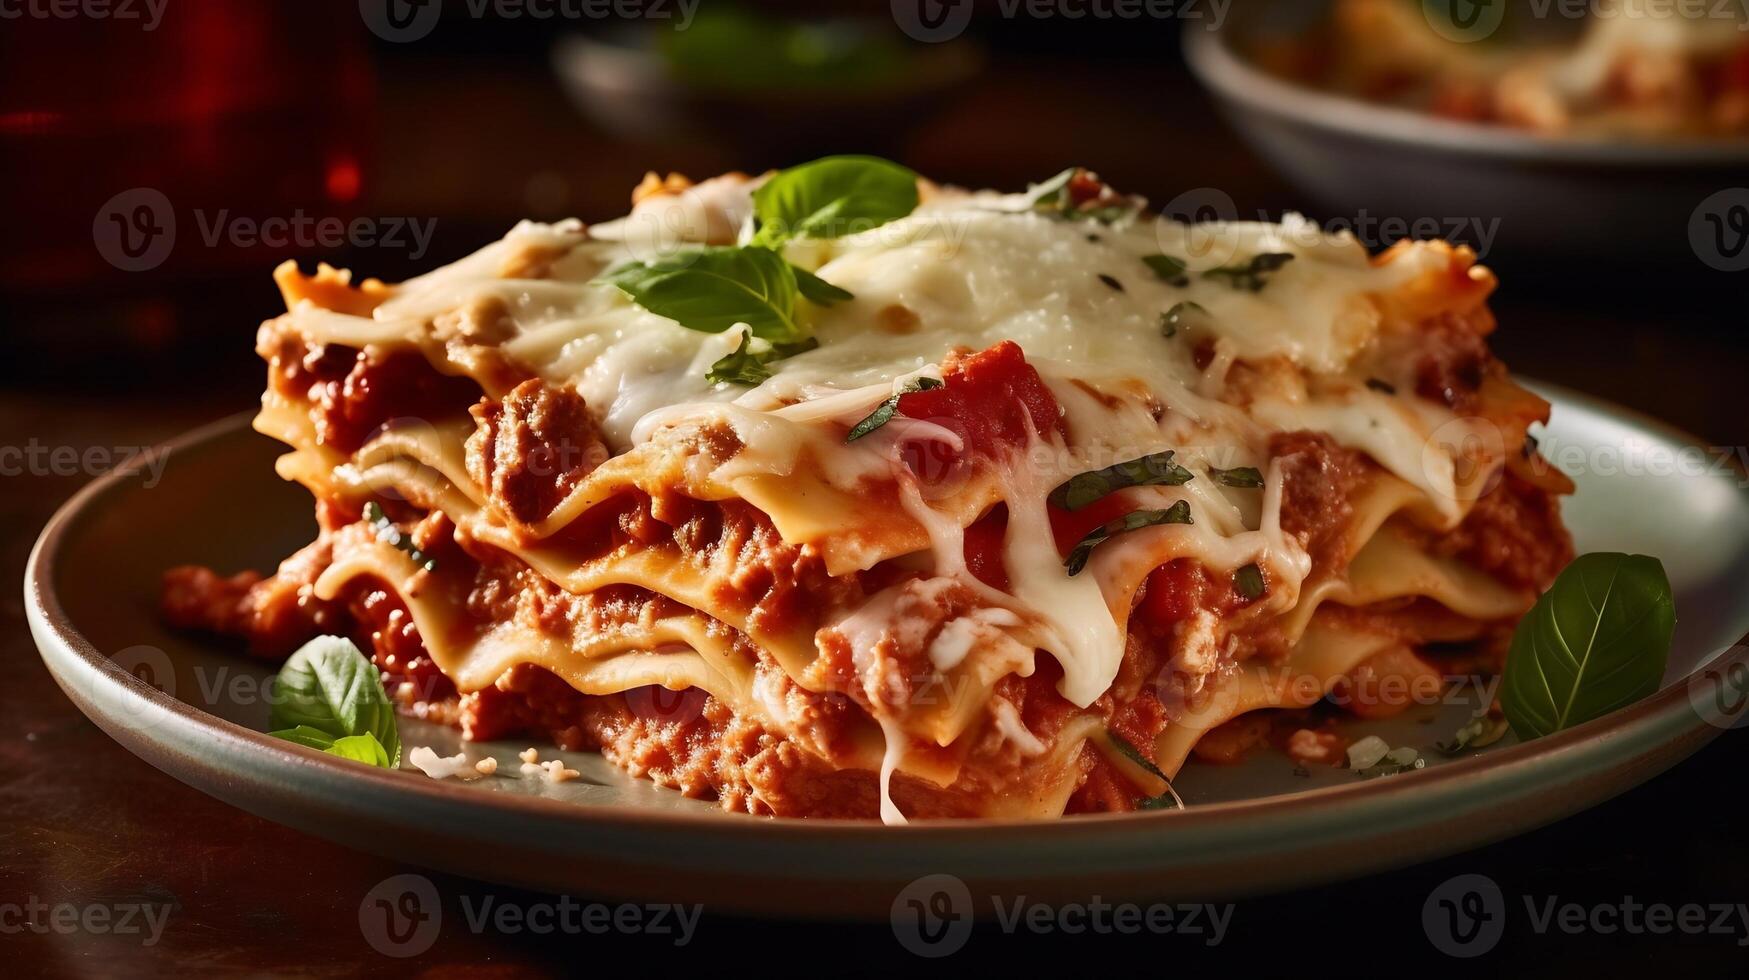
83,822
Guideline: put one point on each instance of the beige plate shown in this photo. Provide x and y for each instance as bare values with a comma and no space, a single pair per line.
197,713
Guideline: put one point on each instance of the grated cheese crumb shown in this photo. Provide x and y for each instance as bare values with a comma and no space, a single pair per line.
529,756
486,766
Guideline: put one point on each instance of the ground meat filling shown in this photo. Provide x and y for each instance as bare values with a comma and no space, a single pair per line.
1319,482
529,451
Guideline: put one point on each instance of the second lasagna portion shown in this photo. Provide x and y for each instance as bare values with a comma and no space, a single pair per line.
1029,494
1628,69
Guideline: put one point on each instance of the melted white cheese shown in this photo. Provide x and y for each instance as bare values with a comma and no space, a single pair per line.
968,271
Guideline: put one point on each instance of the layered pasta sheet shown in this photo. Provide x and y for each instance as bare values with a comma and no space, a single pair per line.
528,485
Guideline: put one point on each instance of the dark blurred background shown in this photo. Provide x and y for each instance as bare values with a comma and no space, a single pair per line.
138,166
429,128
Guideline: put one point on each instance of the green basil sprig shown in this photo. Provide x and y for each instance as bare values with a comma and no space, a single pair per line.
832,197
1178,513
329,696
1156,469
712,289
744,366
1597,640
1168,269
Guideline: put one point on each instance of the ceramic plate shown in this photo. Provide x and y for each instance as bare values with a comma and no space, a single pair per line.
197,712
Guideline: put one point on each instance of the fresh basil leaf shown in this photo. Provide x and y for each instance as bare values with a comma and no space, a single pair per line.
817,290
1251,276
884,413
1156,469
1249,582
742,366
1111,282
309,738
329,686
1178,513
362,748
1596,641
1173,319
1169,270
394,537
1243,477
712,289
832,197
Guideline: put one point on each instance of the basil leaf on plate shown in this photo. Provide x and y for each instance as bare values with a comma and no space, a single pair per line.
832,197
884,412
712,289
817,290
362,748
1155,469
329,687
1596,641
1178,513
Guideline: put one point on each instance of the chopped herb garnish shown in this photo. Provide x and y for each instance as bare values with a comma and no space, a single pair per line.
1056,198
1172,319
1111,281
1169,800
1244,477
1169,269
1157,469
1382,386
1480,733
884,412
1253,275
742,366
1178,513
394,537
1248,581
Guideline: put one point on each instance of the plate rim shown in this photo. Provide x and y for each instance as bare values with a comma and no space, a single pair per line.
1657,731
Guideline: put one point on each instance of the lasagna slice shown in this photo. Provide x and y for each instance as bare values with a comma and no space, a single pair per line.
990,505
